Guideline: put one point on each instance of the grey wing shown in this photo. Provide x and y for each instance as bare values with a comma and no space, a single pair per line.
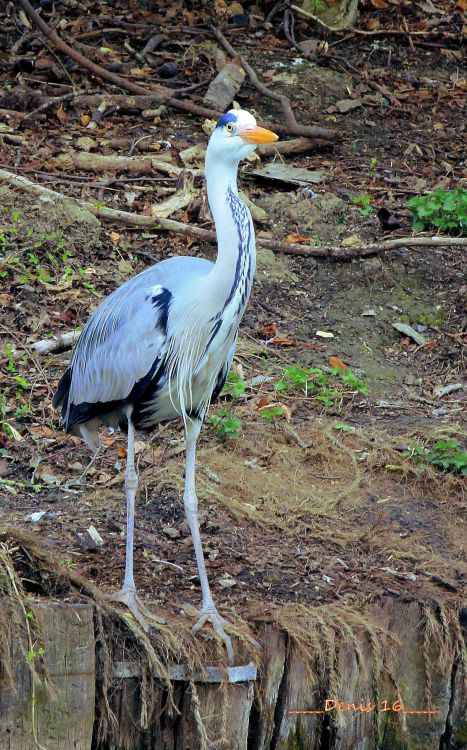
127,334
119,344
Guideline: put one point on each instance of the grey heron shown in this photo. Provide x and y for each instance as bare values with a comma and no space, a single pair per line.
161,345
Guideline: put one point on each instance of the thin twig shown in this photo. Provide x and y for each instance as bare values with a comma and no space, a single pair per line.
374,32
54,100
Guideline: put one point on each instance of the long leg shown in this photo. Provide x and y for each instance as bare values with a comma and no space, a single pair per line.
208,611
127,593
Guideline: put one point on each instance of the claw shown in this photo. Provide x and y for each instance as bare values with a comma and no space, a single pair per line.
138,609
218,623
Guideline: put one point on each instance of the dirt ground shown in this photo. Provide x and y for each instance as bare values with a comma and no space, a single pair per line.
321,504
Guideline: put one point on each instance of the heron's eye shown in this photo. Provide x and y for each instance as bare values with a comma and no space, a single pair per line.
229,127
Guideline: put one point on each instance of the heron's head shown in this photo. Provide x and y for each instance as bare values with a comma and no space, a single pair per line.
236,136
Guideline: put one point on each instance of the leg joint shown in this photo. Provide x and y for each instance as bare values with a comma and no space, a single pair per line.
191,504
131,479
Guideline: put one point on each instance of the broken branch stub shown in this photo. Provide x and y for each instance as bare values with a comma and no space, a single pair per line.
223,88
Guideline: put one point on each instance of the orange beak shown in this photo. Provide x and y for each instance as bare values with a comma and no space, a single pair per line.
257,135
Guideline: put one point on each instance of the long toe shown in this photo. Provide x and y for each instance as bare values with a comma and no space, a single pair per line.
140,612
218,623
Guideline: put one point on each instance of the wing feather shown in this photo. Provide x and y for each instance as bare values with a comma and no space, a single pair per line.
123,345
120,343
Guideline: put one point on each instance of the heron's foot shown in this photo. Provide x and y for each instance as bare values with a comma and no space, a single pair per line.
219,623
138,609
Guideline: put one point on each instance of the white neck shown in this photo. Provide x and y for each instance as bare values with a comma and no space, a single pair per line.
221,178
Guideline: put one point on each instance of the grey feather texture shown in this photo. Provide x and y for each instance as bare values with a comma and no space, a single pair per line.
125,335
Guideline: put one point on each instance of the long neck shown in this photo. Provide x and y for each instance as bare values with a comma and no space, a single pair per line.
235,264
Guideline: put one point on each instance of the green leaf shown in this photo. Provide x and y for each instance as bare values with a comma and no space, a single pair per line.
341,427
234,386
444,210
21,381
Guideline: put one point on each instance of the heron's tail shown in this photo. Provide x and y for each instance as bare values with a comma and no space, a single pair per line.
60,399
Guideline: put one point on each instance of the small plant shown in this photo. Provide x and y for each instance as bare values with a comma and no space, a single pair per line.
318,383
234,386
342,427
372,167
34,653
273,412
294,377
9,353
317,6
349,378
444,210
445,454
226,425
364,201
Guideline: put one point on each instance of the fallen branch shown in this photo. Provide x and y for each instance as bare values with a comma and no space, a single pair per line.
58,343
159,94
281,98
384,92
54,100
207,235
139,165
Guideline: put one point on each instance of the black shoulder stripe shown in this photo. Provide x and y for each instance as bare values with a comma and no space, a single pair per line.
161,303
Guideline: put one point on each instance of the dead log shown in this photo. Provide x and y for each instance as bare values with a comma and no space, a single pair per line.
285,148
124,102
63,716
292,146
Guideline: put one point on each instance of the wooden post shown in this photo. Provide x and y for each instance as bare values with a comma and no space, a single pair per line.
64,716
